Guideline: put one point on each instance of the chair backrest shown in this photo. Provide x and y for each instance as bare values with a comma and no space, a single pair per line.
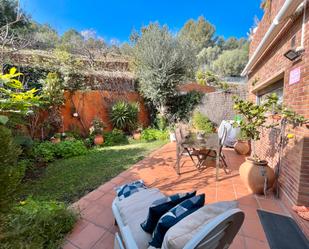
222,136
219,232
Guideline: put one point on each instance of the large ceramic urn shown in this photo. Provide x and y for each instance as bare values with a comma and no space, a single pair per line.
242,147
257,175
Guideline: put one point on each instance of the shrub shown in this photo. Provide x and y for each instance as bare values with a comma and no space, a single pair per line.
151,134
11,172
47,151
44,152
115,137
68,149
124,116
202,123
37,224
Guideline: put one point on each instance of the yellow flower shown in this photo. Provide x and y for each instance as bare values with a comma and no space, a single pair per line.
290,136
22,202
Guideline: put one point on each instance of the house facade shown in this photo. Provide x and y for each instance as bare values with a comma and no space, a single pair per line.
279,63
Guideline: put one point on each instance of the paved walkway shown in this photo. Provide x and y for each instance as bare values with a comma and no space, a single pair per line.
96,229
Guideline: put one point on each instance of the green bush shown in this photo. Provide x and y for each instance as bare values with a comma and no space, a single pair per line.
44,152
47,151
115,137
37,224
11,172
202,123
124,116
151,134
67,149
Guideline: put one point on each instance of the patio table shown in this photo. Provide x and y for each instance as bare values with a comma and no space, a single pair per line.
193,142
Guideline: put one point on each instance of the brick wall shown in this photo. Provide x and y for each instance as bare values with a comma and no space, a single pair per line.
294,176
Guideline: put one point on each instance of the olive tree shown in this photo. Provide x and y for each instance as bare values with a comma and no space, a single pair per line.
162,62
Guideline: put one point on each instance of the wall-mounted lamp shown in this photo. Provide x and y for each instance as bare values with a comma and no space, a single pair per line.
293,54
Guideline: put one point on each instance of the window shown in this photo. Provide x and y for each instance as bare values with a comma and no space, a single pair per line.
276,88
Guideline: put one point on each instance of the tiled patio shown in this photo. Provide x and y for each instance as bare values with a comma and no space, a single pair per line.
95,229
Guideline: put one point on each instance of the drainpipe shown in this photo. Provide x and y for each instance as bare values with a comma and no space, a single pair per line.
281,16
303,28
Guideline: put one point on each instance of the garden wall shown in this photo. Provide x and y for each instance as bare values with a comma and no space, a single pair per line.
218,106
95,103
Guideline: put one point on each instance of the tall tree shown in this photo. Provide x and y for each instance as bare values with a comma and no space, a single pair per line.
162,63
200,33
231,62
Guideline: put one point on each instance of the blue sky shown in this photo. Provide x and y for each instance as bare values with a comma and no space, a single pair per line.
114,19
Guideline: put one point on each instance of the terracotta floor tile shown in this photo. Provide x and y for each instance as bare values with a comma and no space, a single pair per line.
248,200
270,205
81,204
105,242
238,243
79,226
253,229
94,195
255,244
106,200
118,180
250,212
107,187
104,218
68,245
87,237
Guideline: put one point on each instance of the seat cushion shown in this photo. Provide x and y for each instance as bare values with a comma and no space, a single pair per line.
173,216
160,207
180,234
134,210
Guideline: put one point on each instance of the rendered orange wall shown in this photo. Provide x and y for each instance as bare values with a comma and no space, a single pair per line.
91,104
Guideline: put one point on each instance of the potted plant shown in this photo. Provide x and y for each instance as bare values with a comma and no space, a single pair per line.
137,133
97,129
56,138
242,145
255,172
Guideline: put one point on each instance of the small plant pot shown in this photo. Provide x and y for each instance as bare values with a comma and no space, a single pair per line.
55,140
253,174
98,140
172,137
137,135
242,147
276,117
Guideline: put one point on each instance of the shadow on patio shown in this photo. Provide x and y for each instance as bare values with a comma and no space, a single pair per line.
96,227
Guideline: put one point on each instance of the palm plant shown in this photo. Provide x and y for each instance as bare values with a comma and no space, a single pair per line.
124,116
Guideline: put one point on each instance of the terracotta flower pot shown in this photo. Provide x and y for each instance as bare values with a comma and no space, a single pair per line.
252,174
136,135
98,140
55,140
242,147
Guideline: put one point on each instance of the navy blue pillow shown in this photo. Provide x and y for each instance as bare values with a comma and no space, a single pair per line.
160,207
173,216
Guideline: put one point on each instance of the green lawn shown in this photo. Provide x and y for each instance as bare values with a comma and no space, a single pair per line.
69,179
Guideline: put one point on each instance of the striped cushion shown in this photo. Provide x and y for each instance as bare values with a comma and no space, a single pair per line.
160,207
128,189
173,216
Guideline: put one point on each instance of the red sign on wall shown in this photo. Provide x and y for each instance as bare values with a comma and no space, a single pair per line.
294,76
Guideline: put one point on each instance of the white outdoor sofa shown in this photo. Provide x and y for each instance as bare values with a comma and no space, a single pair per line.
213,226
